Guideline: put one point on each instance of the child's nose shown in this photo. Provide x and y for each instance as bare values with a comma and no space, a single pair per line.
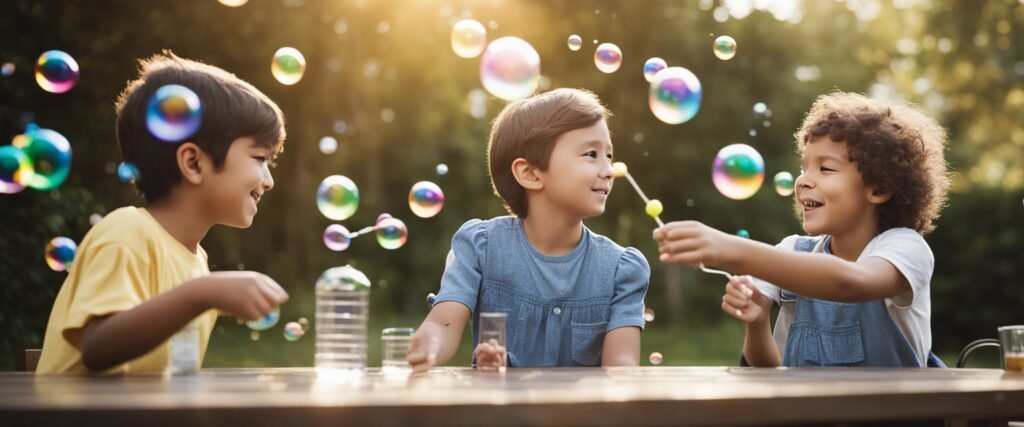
803,180
268,181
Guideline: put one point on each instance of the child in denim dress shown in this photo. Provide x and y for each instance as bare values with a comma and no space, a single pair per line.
873,179
572,296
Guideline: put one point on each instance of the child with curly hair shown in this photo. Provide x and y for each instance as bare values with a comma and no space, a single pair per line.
856,292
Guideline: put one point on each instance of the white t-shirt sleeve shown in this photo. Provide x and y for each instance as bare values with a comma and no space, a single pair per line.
906,250
768,289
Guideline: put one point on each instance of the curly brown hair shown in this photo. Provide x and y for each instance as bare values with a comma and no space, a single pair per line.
897,148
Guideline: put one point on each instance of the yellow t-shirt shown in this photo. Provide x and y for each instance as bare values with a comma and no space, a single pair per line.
125,260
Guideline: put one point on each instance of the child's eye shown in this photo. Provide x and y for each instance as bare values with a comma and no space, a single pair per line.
825,169
260,159
609,157
592,154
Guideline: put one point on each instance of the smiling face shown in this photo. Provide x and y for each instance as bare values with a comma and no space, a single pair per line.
830,191
579,176
232,194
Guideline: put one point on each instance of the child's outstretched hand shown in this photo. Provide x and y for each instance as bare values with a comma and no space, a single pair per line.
423,350
246,294
744,301
692,243
490,355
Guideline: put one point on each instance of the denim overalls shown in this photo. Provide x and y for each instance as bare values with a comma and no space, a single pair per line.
826,333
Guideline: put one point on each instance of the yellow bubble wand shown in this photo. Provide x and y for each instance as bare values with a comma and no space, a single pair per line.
654,207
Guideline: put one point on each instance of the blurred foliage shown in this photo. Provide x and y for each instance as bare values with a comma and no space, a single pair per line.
383,80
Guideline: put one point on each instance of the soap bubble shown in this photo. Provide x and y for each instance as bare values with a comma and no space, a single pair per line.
674,96
510,68
56,71
608,57
288,65
469,37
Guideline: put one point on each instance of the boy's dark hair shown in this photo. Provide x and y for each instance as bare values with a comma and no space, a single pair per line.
232,109
528,128
897,148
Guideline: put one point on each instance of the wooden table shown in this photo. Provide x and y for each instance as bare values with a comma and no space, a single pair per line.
654,396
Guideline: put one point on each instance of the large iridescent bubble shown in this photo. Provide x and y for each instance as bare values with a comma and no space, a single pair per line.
391,233
608,57
174,113
50,154
337,197
784,184
337,237
56,71
652,67
426,199
675,95
469,37
725,48
60,251
510,68
288,65
738,171
15,168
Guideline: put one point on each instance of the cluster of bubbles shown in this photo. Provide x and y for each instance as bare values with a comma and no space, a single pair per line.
39,158
575,42
426,199
738,171
469,37
288,65
328,145
59,253
292,331
391,234
174,113
608,58
652,67
510,68
56,71
784,183
724,47
675,95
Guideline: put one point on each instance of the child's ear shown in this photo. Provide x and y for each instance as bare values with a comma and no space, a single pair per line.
191,162
878,196
526,174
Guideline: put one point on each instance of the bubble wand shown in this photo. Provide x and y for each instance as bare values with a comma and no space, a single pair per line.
654,207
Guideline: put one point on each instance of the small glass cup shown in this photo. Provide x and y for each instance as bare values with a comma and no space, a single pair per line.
493,327
394,347
1011,339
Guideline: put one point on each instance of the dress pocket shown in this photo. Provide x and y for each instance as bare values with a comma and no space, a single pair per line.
588,343
814,344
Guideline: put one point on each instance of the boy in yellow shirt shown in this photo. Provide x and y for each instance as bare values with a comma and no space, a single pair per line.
140,274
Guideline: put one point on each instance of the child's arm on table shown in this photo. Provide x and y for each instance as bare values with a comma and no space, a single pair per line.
438,337
119,337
